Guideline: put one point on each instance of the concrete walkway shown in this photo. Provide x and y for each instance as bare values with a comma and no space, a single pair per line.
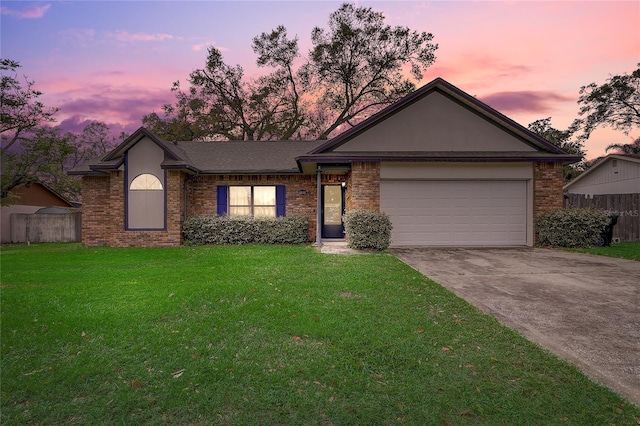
338,247
584,308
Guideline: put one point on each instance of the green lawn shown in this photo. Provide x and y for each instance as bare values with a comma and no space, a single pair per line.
628,250
259,335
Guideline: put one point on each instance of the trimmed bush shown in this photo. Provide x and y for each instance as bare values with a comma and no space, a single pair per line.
233,230
367,229
571,227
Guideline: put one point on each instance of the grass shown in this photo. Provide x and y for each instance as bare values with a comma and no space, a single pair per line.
626,250
259,335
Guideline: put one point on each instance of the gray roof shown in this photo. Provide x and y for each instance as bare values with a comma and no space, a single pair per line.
219,157
246,156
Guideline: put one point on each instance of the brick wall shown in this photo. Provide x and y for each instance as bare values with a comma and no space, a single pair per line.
547,187
363,186
202,195
104,208
103,213
548,180
95,210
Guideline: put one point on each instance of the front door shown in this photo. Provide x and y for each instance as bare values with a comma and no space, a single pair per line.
332,211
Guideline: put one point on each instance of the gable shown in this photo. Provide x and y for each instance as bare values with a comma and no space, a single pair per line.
36,194
142,134
435,122
144,157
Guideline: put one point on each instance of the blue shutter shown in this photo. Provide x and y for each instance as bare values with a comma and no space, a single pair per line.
222,200
281,201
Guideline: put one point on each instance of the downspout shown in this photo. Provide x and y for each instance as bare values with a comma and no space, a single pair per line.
319,207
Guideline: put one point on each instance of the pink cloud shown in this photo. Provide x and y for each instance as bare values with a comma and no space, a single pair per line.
77,123
120,107
33,12
200,46
125,36
524,101
483,69
120,104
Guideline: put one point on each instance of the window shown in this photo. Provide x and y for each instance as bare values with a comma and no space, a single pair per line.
146,182
257,201
269,201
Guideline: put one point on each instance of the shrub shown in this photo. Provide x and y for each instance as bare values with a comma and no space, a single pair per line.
227,230
571,227
367,229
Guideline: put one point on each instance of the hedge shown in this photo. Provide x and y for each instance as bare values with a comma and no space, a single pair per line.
571,227
233,230
367,229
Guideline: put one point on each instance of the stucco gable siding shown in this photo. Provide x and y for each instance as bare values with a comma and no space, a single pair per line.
456,171
435,123
144,157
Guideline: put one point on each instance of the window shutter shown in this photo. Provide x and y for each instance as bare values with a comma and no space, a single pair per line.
281,201
222,200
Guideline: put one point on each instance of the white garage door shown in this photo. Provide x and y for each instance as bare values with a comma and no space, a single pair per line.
456,213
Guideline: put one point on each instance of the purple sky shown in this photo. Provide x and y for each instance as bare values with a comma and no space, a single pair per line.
115,61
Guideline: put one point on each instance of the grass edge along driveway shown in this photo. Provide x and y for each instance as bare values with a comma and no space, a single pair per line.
266,335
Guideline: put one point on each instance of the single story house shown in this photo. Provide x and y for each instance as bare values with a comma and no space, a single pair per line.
448,170
614,174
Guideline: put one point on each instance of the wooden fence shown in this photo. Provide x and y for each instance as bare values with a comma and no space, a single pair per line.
46,228
627,206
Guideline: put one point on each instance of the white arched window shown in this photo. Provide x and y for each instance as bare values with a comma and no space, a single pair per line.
146,182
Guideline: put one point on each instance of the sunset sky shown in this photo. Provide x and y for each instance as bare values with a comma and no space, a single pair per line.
114,61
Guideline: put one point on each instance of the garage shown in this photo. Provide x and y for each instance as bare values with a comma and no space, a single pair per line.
456,212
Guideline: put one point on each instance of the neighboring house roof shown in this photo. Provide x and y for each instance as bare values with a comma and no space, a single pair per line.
595,169
40,194
295,156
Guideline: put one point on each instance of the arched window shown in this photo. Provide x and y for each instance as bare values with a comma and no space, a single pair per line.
146,182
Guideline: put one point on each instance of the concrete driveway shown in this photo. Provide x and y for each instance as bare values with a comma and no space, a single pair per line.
584,308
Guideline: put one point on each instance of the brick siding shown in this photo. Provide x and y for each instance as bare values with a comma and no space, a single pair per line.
363,186
103,219
301,193
548,180
95,210
103,213
547,187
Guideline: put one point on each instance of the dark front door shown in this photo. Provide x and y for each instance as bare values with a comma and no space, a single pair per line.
332,211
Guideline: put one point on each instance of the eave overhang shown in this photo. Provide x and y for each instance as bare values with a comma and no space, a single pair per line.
473,157
250,172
